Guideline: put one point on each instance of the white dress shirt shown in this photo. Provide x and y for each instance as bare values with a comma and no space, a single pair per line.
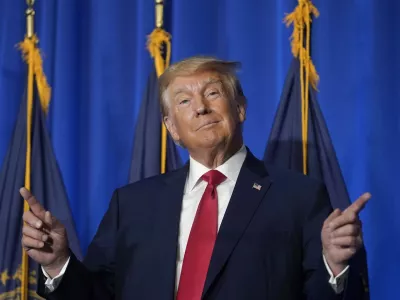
193,191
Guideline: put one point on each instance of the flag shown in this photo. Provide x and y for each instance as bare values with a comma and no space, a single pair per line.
146,154
285,144
18,273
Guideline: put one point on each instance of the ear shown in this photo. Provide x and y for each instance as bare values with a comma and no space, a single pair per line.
241,110
171,128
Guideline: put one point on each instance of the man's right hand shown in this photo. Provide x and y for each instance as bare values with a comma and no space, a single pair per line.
44,238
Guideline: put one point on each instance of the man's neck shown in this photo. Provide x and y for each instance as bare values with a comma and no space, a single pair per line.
214,157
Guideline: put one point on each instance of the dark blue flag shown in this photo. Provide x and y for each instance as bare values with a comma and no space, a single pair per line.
284,148
46,184
146,155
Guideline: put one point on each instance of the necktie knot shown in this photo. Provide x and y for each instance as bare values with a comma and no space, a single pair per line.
213,177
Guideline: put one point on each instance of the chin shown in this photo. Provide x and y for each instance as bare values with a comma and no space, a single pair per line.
211,141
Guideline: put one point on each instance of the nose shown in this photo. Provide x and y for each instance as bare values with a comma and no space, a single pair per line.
201,106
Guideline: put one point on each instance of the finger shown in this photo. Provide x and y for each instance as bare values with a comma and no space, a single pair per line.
359,204
28,242
349,217
346,242
34,205
34,233
333,215
347,230
32,220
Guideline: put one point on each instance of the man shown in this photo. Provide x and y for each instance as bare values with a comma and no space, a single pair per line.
222,227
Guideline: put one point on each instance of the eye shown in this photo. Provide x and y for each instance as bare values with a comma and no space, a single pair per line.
213,93
184,101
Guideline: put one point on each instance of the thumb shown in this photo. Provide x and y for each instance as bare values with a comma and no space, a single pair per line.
48,220
336,213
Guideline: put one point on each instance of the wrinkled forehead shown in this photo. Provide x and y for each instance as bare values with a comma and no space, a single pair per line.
194,83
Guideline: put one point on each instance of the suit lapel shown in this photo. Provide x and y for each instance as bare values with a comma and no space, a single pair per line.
250,188
165,241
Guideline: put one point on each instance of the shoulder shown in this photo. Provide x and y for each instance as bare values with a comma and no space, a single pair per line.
151,185
281,176
296,190
137,202
292,178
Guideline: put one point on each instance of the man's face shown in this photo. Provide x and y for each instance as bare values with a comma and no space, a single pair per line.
200,114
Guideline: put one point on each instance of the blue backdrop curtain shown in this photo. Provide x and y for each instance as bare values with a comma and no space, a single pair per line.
97,64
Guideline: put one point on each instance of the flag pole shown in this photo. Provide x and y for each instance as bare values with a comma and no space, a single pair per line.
30,13
33,59
159,40
160,24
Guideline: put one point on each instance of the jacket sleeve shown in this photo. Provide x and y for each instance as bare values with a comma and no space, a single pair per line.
94,277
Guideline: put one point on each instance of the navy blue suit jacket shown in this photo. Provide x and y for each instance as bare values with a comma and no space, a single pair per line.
268,245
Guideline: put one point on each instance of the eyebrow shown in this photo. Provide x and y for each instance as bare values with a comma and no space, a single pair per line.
205,83
212,80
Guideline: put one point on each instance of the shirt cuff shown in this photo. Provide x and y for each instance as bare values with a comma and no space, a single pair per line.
52,283
338,282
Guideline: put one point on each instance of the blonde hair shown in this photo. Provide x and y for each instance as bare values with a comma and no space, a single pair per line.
225,69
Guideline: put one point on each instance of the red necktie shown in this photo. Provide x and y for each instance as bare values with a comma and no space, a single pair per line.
201,241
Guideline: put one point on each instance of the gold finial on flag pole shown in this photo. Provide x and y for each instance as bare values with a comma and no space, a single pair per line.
32,57
30,13
159,13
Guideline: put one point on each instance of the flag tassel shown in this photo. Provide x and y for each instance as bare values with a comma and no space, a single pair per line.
31,55
301,19
157,40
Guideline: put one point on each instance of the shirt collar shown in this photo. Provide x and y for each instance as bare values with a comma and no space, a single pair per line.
230,169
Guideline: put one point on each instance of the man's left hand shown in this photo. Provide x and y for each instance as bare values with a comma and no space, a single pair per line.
342,235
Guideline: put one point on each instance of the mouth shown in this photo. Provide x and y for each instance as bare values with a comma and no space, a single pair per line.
208,125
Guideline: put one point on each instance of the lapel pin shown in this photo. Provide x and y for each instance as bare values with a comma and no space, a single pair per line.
257,186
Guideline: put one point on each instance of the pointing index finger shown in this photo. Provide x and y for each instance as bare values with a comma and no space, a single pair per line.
359,204
35,206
